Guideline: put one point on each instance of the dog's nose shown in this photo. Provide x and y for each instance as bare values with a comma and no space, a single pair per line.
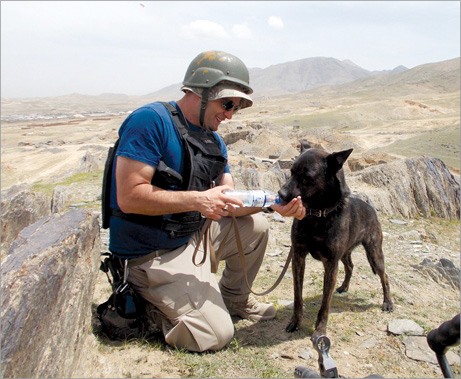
283,195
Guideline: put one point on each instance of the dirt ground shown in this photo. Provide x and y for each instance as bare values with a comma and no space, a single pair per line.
361,345
357,328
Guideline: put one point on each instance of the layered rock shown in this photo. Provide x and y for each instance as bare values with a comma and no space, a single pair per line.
411,188
20,210
47,286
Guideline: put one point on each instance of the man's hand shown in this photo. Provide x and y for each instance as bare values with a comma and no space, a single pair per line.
214,204
294,208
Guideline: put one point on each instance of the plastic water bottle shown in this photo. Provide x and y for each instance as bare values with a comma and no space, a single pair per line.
255,198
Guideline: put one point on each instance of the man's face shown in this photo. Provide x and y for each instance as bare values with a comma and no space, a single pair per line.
216,112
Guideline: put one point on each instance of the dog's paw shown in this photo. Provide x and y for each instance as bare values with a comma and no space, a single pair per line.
342,289
293,326
388,306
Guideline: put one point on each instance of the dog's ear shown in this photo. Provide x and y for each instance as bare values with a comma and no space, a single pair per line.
336,160
305,145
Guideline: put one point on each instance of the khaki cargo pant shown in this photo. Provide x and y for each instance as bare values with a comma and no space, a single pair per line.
189,299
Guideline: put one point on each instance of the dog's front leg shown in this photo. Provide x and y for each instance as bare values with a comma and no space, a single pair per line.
298,265
329,283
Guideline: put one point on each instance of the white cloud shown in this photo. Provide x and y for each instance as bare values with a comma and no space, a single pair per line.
242,31
203,29
275,22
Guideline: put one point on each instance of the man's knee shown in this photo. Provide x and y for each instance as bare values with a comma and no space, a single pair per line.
224,335
195,333
261,225
252,226
259,231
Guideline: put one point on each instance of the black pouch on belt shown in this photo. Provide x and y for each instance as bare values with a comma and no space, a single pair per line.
122,315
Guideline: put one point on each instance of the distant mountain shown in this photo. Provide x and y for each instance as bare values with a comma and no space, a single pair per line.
440,77
296,76
304,75
396,70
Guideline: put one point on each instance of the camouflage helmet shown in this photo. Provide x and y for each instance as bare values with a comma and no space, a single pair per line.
212,67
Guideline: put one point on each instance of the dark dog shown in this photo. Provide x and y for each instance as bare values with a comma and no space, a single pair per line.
334,225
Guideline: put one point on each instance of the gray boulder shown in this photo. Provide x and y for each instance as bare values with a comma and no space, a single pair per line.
443,270
88,163
20,210
405,326
47,286
412,187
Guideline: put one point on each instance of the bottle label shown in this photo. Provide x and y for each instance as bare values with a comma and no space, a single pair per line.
259,199
254,198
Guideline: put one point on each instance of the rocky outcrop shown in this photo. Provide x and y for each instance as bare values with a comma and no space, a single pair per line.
47,286
251,178
88,163
22,207
367,159
59,199
444,270
230,138
20,210
411,188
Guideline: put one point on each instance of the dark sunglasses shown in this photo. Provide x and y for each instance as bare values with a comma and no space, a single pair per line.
229,105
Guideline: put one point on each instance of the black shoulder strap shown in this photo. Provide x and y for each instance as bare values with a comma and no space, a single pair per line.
181,124
179,121
106,182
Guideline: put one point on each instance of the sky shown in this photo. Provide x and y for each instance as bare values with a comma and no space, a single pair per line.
53,48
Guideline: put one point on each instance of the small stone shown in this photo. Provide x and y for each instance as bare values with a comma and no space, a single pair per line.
306,354
405,326
398,222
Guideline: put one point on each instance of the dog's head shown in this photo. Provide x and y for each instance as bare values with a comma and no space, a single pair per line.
317,176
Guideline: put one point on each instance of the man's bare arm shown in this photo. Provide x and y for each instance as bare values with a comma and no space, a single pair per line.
136,194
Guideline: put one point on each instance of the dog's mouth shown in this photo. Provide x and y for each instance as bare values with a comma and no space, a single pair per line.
284,198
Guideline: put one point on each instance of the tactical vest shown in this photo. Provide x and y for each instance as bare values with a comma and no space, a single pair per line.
204,166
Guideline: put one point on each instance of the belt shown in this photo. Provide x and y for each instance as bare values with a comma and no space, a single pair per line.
147,257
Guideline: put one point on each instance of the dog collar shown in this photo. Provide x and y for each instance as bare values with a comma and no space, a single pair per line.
320,212
317,212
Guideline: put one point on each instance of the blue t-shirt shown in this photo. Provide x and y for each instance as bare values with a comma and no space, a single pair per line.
148,135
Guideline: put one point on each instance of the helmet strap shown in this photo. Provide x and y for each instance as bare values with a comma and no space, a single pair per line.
203,106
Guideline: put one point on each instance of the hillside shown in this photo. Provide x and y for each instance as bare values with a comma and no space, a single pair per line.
442,77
